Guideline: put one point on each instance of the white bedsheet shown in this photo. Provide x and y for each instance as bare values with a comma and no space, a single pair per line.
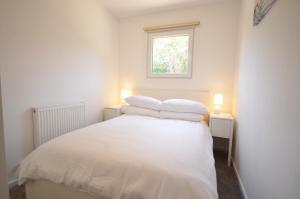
130,157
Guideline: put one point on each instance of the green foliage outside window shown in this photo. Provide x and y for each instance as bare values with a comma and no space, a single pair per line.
170,54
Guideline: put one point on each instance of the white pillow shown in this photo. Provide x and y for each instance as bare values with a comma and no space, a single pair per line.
133,110
194,117
143,102
183,106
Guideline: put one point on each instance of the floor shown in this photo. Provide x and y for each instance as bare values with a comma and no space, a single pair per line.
228,186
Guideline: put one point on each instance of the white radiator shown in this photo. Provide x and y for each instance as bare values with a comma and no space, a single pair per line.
51,122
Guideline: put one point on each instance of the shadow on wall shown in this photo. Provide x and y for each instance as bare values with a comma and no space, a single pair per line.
26,141
27,131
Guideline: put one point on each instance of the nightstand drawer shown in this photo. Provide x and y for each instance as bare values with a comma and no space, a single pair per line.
221,128
110,113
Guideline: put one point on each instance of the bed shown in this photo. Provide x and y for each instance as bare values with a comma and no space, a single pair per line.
128,157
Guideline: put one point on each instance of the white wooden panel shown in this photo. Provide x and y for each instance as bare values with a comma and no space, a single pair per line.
203,96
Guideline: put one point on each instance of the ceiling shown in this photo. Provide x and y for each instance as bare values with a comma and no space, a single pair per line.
127,8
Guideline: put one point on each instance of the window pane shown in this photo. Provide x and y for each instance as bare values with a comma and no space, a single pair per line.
170,54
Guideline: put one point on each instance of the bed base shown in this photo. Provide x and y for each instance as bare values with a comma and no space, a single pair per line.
42,189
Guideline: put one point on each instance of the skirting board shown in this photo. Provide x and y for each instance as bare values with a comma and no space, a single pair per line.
240,181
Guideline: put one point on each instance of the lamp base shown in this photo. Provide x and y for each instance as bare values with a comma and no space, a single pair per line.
217,110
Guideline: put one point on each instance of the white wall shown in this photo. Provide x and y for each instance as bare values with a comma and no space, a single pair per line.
268,109
214,50
54,52
3,176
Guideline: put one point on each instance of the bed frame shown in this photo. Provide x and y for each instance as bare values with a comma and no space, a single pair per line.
41,189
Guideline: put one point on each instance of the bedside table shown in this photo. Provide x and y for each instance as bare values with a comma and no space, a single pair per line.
111,112
221,125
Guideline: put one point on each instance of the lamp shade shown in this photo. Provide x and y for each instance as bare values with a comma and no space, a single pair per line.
218,99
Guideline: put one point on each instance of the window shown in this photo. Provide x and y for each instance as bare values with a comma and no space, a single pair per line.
170,53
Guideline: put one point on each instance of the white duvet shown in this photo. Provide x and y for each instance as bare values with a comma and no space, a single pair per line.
130,157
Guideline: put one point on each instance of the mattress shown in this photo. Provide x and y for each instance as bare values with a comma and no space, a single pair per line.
129,157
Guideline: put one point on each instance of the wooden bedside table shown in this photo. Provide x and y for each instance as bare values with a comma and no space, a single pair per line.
111,112
221,125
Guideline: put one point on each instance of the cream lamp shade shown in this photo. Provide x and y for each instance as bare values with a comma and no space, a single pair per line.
218,102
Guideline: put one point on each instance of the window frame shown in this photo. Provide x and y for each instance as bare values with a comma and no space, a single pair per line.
168,33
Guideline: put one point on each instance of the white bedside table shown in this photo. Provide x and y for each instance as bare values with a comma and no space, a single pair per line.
111,112
221,125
